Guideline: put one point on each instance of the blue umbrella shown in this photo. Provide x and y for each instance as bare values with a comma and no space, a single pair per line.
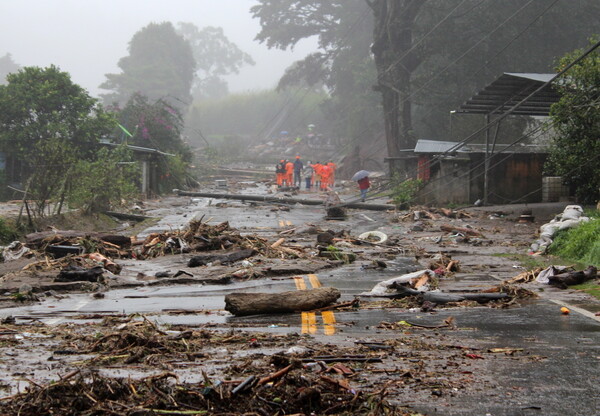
361,174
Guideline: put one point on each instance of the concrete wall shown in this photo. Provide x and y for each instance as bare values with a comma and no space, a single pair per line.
448,184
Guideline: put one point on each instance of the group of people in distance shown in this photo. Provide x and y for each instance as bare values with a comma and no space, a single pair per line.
318,175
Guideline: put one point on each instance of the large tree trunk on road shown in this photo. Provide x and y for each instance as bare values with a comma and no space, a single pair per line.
241,304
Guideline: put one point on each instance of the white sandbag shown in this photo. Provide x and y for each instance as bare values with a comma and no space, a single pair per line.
571,217
572,212
566,224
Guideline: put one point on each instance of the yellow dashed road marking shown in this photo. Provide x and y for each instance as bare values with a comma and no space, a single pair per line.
309,319
314,280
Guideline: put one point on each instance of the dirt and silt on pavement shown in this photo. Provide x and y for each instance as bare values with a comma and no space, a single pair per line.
154,338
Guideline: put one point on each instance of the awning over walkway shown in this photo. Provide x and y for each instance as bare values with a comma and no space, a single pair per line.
509,89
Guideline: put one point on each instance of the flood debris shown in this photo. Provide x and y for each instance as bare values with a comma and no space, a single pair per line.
443,264
374,237
15,251
221,258
77,274
556,275
570,278
465,231
404,285
242,304
300,392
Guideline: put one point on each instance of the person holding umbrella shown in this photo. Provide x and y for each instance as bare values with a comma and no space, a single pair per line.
362,178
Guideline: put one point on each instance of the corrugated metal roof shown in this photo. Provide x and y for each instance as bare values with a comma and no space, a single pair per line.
138,149
532,76
511,88
439,147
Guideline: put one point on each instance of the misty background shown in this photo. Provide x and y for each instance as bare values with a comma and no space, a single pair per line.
88,37
341,66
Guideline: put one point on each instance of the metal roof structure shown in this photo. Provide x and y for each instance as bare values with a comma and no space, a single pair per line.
508,90
440,147
138,149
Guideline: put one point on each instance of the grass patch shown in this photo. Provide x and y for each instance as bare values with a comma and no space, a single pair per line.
592,288
532,262
581,244
527,261
8,231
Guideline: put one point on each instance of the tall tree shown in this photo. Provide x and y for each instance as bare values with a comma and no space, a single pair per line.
216,56
576,118
7,65
343,63
395,22
160,65
437,53
49,123
430,55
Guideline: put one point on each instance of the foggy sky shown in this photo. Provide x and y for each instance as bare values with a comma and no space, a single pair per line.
88,37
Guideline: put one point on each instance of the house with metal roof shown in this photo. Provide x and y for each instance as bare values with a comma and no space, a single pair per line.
494,158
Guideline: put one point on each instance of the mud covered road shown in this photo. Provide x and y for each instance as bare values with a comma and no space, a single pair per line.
180,352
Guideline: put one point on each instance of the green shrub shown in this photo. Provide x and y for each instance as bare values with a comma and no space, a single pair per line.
106,181
404,191
7,232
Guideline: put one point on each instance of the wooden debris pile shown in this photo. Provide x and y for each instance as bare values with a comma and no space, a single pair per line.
87,393
443,264
76,242
432,213
198,236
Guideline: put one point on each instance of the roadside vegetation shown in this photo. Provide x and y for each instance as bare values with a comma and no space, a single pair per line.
8,231
579,245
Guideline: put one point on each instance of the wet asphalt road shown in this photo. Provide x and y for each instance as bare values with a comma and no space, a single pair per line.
564,381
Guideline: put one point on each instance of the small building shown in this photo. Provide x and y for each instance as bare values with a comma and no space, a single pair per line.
493,155
148,160
457,176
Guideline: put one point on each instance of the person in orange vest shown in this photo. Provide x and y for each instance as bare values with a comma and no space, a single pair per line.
325,177
332,166
289,173
317,175
280,172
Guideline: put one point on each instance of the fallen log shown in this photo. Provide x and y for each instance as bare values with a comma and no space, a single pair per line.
223,258
79,274
127,216
284,200
439,297
243,304
465,231
563,280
